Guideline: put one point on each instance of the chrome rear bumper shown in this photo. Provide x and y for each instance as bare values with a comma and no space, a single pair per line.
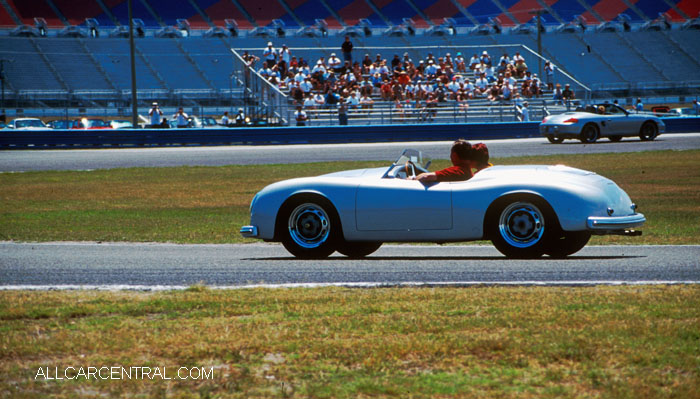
249,231
615,223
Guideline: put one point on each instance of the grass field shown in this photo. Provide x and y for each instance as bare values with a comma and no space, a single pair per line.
595,342
209,204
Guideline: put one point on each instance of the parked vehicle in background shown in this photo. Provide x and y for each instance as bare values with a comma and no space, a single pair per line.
92,123
121,124
62,124
27,124
592,122
208,122
682,112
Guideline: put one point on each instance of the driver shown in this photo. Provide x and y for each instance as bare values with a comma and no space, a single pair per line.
461,168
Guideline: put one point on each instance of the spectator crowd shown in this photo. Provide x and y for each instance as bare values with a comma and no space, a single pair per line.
327,83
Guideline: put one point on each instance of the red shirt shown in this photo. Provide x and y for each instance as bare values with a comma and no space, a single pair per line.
454,173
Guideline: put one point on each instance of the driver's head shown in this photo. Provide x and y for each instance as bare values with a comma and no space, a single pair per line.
460,151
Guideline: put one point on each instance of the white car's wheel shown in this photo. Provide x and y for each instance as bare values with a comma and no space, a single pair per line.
589,134
521,227
358,249
310,229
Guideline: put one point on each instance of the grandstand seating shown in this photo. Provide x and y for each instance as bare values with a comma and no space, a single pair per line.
339,13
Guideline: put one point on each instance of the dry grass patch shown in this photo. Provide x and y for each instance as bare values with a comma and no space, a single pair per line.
598,342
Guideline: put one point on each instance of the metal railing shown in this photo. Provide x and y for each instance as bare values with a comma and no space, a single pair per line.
262,101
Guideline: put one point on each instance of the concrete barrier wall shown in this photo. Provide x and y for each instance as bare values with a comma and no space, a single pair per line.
10,139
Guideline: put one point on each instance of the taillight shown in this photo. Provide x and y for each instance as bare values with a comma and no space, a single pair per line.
544,120
571,120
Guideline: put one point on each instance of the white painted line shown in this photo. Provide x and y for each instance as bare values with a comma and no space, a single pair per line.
407,284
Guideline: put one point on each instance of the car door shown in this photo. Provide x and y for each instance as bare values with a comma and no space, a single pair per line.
619,121
403,205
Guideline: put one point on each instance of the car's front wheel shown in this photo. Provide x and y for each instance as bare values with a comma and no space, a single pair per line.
311,228
649,131
589,134
358,249
569,243
555,139
521,227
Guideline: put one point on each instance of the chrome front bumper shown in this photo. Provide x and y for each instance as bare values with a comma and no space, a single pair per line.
615,223
249,231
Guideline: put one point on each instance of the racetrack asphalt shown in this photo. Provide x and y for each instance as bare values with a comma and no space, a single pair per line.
30,160
171,266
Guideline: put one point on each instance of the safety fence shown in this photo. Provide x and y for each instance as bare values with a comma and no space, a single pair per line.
57,139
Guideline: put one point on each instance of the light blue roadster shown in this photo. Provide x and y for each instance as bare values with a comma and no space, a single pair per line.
526,211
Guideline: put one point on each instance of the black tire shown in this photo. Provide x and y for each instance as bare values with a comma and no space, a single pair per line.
555,139
309,227
358,249
589,134
521,226
615,139
569,243
649,131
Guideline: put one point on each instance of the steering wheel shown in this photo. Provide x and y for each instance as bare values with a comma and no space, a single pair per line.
413,169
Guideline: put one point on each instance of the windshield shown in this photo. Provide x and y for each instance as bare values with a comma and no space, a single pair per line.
418,158
29,123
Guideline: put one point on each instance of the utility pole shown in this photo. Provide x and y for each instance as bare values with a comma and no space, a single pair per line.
134,100
538,14
2,78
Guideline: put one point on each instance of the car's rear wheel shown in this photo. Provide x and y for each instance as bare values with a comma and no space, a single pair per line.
309,227
555,139
358,249
649,131
569,243
589,134
521,226
615,139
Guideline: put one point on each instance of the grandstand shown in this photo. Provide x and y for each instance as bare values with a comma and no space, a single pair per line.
72,56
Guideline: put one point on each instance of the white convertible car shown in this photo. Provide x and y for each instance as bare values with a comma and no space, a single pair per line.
588,125
526,211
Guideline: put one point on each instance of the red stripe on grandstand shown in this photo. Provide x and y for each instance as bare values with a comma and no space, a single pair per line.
223,10
466,3
263,12
295,3
332,22
521,10
6,18
27,10
691,8
610,9
353,12
77,10
382,3
507,21
590,18
420,22
197,22
440,10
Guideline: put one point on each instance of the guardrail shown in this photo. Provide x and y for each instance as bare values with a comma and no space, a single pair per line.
56,139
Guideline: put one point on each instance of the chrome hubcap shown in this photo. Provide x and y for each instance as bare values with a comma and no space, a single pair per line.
521,225
309,225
